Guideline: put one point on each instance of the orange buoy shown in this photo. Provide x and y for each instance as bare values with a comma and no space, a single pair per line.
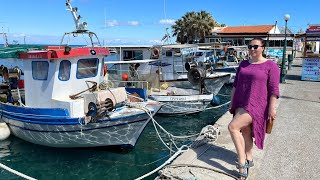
105,69
125,77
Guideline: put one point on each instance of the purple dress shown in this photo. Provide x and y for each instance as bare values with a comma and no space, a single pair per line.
254,84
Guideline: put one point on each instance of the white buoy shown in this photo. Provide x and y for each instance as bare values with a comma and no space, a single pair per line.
4,131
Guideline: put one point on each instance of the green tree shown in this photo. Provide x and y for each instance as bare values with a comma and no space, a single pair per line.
193,26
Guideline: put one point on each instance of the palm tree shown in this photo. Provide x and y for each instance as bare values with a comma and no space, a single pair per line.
193,26
180,32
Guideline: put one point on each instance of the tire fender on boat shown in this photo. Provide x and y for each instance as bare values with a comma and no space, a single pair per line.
4,131
155,52
190,65
196,75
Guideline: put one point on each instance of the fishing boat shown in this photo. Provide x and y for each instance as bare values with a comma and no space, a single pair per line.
230,61
183,86
64,100
177,67
175,101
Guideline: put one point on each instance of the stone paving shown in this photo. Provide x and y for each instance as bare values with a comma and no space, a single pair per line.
291,150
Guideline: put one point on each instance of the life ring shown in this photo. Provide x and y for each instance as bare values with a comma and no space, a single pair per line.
155,52
105,69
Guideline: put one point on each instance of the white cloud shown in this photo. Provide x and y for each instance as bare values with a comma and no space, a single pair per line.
133,23
167,21
19,35
112,23
155,42
111,42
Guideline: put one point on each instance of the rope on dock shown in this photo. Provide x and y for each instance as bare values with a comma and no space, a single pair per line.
16,172
210,133
180,150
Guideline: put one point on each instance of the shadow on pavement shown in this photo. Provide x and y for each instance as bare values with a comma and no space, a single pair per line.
287,97
296,65
223,154
293,77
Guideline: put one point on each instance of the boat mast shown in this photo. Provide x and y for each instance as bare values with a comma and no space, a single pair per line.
80,26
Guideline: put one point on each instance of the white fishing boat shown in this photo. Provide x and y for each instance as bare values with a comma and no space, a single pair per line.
64,100
177,67
183,86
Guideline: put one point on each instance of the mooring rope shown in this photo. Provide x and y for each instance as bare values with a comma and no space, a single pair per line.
180,150
16,172
215,107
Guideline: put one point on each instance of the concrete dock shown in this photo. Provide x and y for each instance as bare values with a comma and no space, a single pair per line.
291,150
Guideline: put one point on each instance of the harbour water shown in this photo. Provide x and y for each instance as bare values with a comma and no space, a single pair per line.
113,163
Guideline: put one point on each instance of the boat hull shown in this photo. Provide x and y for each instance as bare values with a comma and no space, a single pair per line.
182,105
72,132
232,70
213,82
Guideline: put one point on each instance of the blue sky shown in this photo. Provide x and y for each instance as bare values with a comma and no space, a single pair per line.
142,21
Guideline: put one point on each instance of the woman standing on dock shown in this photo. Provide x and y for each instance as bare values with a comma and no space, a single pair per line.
253,100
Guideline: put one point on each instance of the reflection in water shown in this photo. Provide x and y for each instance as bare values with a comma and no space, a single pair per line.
4,148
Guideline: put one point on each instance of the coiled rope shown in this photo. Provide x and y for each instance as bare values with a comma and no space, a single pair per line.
16,172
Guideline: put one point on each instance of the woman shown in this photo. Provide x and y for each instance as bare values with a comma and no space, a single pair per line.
254,95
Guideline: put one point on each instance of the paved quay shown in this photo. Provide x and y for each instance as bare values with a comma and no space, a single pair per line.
291,150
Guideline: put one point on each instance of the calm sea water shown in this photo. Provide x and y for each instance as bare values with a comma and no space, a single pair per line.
102,163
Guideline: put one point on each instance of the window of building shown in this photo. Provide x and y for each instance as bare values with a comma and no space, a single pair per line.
87,68
64,70
40,70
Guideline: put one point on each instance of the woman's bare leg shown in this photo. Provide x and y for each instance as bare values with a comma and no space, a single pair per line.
241,120
247,136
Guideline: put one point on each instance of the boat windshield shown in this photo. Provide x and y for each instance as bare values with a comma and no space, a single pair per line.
198,54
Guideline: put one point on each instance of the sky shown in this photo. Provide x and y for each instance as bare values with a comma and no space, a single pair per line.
119,22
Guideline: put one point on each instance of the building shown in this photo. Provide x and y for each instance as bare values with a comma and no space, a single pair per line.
309,41
241,35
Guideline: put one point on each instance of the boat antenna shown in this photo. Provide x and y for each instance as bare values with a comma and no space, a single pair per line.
166,37
80,26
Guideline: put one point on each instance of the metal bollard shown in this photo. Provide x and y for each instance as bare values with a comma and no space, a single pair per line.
290,61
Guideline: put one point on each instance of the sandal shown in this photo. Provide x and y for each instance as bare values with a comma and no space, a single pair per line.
250,163
244,174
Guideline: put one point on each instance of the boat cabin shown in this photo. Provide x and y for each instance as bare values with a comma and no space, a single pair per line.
55,73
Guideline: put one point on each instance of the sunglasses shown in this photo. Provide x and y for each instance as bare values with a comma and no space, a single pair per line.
253,46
